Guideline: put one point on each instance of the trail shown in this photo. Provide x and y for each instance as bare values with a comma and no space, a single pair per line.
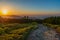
43,33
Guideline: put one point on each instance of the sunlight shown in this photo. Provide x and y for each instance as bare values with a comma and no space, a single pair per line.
4,11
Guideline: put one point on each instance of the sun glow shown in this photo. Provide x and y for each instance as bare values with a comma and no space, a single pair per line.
4,11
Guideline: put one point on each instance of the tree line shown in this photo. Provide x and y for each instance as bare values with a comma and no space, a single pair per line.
52,20
25,19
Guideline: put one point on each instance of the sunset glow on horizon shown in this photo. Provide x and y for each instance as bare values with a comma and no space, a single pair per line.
19,7
4,11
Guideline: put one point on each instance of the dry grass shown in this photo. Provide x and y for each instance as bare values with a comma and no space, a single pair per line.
16,31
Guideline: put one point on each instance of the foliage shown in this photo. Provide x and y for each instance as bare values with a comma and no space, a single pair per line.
56,27
16,31
52,20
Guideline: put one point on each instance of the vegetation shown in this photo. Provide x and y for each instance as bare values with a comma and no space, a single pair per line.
55,27
16,31
53,22
24,19
19,29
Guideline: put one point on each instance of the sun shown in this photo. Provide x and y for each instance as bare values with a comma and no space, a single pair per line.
4,11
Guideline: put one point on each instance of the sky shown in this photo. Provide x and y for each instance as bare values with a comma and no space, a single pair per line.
31,7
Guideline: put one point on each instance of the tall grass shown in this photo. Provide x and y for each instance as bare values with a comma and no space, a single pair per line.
16,31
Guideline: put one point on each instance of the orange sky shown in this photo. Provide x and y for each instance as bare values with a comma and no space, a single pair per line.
29,7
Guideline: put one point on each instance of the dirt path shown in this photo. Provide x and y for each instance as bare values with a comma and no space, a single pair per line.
43,33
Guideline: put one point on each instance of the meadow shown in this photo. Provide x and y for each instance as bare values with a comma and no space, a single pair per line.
16,31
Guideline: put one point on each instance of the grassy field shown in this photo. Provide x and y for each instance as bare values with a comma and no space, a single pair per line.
16,31
56,27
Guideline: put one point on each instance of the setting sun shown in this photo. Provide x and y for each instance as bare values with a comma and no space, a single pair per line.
4,11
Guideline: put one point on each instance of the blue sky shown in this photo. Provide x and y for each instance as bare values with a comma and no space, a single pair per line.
33,6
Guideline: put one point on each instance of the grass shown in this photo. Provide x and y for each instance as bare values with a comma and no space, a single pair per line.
56,27
16,31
